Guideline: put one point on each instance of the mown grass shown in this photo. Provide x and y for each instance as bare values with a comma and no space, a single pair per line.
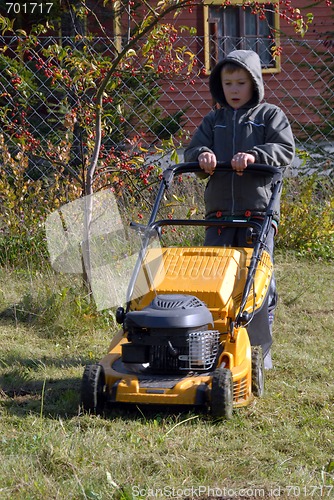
280,446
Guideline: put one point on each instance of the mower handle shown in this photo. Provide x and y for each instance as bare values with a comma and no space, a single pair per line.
181,168
193,167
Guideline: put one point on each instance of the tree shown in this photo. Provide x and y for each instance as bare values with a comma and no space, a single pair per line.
80,91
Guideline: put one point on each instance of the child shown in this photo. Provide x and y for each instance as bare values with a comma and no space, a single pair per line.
244,130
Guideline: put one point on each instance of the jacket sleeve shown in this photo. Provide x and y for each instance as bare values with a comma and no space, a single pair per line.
202,140
279,147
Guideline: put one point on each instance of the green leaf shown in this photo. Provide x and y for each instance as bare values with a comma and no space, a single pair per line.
21,32
174,156
330,466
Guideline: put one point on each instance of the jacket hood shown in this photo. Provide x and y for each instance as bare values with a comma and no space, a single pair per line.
246,59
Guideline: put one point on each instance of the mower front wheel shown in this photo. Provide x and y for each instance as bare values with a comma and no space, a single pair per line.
93,389
222,393
257,371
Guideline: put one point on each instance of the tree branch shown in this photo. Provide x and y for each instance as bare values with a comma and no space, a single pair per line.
99,95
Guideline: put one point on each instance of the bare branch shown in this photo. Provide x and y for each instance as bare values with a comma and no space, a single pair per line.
173,6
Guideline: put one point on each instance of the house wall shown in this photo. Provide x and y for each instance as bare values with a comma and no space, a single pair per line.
296,87
299,88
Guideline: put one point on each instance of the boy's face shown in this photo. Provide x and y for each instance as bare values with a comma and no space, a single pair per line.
237,87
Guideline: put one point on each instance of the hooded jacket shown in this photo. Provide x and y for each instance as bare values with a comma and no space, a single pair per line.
259,128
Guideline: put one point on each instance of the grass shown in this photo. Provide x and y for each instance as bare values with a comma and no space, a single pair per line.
280,446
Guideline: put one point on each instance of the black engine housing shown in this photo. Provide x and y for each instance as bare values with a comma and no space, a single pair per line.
171,335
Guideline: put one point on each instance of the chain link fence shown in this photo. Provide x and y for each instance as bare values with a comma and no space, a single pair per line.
304,89
142,113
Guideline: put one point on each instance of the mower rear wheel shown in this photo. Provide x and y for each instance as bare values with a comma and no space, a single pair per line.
222,393
257,371
93,389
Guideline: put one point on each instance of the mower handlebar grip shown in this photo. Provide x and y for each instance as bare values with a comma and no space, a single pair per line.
193,167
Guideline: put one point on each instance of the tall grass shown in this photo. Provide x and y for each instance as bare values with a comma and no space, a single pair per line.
281,445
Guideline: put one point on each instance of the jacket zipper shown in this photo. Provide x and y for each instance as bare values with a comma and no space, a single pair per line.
233,153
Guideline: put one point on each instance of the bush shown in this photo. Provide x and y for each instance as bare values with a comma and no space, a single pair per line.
307,210
307,207
25,205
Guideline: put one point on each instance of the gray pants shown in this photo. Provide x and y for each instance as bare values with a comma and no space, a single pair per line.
260,327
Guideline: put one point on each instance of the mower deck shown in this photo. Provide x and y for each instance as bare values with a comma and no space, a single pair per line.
134,383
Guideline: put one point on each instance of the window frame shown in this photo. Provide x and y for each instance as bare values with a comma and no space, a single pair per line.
238,3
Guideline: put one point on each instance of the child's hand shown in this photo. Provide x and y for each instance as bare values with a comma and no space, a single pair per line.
240,161
208,162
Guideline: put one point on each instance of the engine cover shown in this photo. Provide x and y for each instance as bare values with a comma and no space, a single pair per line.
170,311
171,334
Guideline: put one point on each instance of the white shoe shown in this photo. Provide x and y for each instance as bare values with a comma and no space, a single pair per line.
268,364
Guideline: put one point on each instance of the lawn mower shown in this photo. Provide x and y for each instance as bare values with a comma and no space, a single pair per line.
184,339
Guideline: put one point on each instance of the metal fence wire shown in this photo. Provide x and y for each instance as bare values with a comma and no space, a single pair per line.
47,137
304,89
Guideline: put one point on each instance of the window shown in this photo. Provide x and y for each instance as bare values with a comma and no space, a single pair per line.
235,27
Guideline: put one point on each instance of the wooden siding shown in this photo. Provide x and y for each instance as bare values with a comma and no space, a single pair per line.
289,89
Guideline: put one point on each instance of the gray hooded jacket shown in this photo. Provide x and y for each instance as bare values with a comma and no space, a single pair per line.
258,128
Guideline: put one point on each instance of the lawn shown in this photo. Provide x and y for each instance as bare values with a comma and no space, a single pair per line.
281,446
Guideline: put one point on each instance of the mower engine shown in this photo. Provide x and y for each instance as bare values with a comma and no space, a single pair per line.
171,335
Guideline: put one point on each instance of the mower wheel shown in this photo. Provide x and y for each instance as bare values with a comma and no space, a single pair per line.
222,393
257,371
93,389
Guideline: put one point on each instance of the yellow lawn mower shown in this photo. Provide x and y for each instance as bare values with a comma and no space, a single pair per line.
184,338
